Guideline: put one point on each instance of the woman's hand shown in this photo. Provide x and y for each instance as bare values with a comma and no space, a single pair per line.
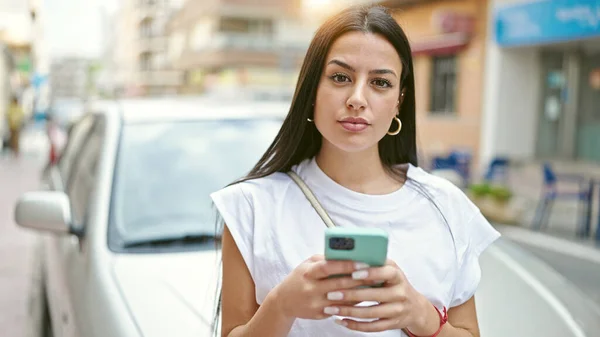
303,294
400,305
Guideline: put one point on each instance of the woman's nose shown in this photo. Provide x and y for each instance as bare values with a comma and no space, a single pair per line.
357,99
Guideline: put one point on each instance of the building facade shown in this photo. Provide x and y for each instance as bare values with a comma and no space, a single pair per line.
222,44
543,80
71,78
36,98
15,56
448,44
140,51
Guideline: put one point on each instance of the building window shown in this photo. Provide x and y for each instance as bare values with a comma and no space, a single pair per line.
146,62
246,26
201,35
147,28
443,85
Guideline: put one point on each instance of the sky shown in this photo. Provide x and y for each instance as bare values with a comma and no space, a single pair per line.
14,20
75,27
72,27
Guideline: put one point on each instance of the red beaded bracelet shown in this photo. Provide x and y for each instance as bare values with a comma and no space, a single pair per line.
443,320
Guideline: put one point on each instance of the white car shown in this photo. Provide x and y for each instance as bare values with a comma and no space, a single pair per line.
128,232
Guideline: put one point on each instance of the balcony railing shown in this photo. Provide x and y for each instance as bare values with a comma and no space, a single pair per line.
243,41
251,42
152,44
160,78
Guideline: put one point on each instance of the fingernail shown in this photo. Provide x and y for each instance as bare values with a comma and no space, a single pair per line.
335,296
360,265
341,322
360,275
331,310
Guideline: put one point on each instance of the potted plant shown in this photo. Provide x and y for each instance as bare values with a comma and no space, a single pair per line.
494,202
479,191
500,194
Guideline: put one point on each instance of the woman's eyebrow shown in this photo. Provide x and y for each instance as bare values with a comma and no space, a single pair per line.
342,64
350,68
383,71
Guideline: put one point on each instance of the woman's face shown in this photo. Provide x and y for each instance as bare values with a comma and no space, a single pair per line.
359,92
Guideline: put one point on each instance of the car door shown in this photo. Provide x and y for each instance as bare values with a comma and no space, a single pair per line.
75,252
66,254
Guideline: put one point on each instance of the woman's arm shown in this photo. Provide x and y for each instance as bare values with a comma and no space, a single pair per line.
462,321
241,316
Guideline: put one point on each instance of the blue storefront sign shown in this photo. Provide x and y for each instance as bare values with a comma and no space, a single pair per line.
37,80
547,21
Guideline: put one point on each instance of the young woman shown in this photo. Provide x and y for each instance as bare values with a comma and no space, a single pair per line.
350,135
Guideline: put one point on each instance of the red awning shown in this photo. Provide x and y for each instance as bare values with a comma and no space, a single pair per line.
444,44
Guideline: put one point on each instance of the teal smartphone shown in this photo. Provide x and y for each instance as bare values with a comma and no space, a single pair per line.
367,245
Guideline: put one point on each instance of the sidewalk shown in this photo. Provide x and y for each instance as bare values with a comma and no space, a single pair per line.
526,182
16,177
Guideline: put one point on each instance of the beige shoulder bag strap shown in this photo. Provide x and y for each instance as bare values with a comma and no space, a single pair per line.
312,199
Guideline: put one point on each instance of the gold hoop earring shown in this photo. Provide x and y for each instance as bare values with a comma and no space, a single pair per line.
397,131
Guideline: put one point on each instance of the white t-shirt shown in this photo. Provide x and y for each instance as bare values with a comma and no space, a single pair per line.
276,228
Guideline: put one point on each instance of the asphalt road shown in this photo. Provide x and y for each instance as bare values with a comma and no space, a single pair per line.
581,272
577,260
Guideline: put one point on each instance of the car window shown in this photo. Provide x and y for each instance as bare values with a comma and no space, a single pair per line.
166,171
77,135
84,173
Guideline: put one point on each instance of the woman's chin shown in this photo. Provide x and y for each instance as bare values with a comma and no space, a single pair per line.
353,144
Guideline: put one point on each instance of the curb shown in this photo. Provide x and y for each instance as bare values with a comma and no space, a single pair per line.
582,250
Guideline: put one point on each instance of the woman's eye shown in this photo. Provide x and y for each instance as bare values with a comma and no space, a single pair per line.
382,83
340,78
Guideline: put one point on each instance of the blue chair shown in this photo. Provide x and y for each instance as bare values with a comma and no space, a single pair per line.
457,160
550,193
443,163
463,159
497,171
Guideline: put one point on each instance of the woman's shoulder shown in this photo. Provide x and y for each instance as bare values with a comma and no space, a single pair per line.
267,187
270,185
462,215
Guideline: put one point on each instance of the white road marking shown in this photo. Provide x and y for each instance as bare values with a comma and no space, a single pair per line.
542,291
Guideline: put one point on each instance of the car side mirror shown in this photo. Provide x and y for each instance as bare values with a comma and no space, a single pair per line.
45,211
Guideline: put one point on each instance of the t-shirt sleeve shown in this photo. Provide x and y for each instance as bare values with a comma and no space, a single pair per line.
238,214
479,235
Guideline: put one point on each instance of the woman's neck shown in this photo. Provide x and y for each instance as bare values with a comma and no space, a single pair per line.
361,172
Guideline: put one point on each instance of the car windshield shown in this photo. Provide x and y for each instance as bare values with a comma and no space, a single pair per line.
166,171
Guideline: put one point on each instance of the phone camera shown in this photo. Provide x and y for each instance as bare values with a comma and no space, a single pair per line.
341,243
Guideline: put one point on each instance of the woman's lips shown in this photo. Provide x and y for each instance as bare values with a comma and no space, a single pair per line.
354,124
352,127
